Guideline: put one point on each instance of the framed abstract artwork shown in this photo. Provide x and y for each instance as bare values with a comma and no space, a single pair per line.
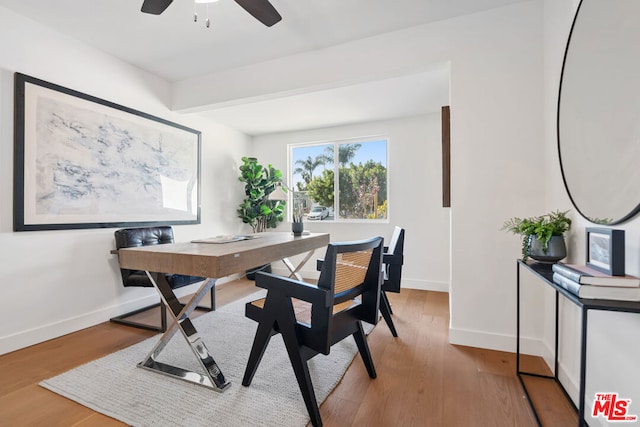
605,250
83,162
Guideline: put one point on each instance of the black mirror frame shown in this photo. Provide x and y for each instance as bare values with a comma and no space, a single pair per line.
635,210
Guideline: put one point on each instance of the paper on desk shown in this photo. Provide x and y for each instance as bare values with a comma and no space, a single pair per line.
226,238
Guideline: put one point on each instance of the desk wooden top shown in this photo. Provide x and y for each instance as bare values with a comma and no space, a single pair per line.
220,260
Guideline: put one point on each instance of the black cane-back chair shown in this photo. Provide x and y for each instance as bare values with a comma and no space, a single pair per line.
146,236
311,318
393,258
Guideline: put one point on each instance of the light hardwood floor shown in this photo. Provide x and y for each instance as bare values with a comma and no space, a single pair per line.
422,379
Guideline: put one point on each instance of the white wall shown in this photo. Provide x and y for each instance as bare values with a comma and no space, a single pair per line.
496,64
613,350
415,195
56,282
497,168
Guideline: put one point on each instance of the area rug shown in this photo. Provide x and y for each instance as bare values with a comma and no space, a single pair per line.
114,386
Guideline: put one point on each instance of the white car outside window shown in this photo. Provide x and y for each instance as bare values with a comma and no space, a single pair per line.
318,212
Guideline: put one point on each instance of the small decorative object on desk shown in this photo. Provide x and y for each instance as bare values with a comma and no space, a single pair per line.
280,193
605,250
542,236
297,226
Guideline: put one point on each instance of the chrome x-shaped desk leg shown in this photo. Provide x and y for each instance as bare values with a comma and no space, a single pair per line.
213,377
294,270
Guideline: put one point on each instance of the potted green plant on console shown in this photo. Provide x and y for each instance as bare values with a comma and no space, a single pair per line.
542,236
257,209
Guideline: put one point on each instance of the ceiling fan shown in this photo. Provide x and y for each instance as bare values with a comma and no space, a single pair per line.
262,10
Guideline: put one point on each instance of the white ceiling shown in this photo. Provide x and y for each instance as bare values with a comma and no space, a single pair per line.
411,95
175,48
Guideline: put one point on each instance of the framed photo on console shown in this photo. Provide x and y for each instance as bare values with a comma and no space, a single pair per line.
605,250
84,162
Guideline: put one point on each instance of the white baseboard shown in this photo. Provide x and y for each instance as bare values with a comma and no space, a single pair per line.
528,345
424,285
499,342
568,381
571,386
486,340
49,331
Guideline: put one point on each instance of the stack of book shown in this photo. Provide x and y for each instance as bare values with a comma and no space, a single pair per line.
586,282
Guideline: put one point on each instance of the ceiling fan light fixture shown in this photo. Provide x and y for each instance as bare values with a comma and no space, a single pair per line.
207,22
262,10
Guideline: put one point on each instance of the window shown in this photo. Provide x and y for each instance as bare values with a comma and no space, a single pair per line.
359,193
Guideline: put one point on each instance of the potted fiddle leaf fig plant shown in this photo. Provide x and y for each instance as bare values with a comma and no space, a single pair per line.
542,236
257,209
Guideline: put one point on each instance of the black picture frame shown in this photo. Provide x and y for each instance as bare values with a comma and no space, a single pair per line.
85,162
605,250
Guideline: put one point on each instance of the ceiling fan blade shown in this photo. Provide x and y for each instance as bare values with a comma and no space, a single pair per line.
155,7
262,10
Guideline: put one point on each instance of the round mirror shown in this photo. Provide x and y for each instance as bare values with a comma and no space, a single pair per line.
599,111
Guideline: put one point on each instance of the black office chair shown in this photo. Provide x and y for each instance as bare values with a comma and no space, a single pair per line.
145,236
393,258
311,318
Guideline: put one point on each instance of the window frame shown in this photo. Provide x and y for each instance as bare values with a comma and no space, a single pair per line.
336,143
